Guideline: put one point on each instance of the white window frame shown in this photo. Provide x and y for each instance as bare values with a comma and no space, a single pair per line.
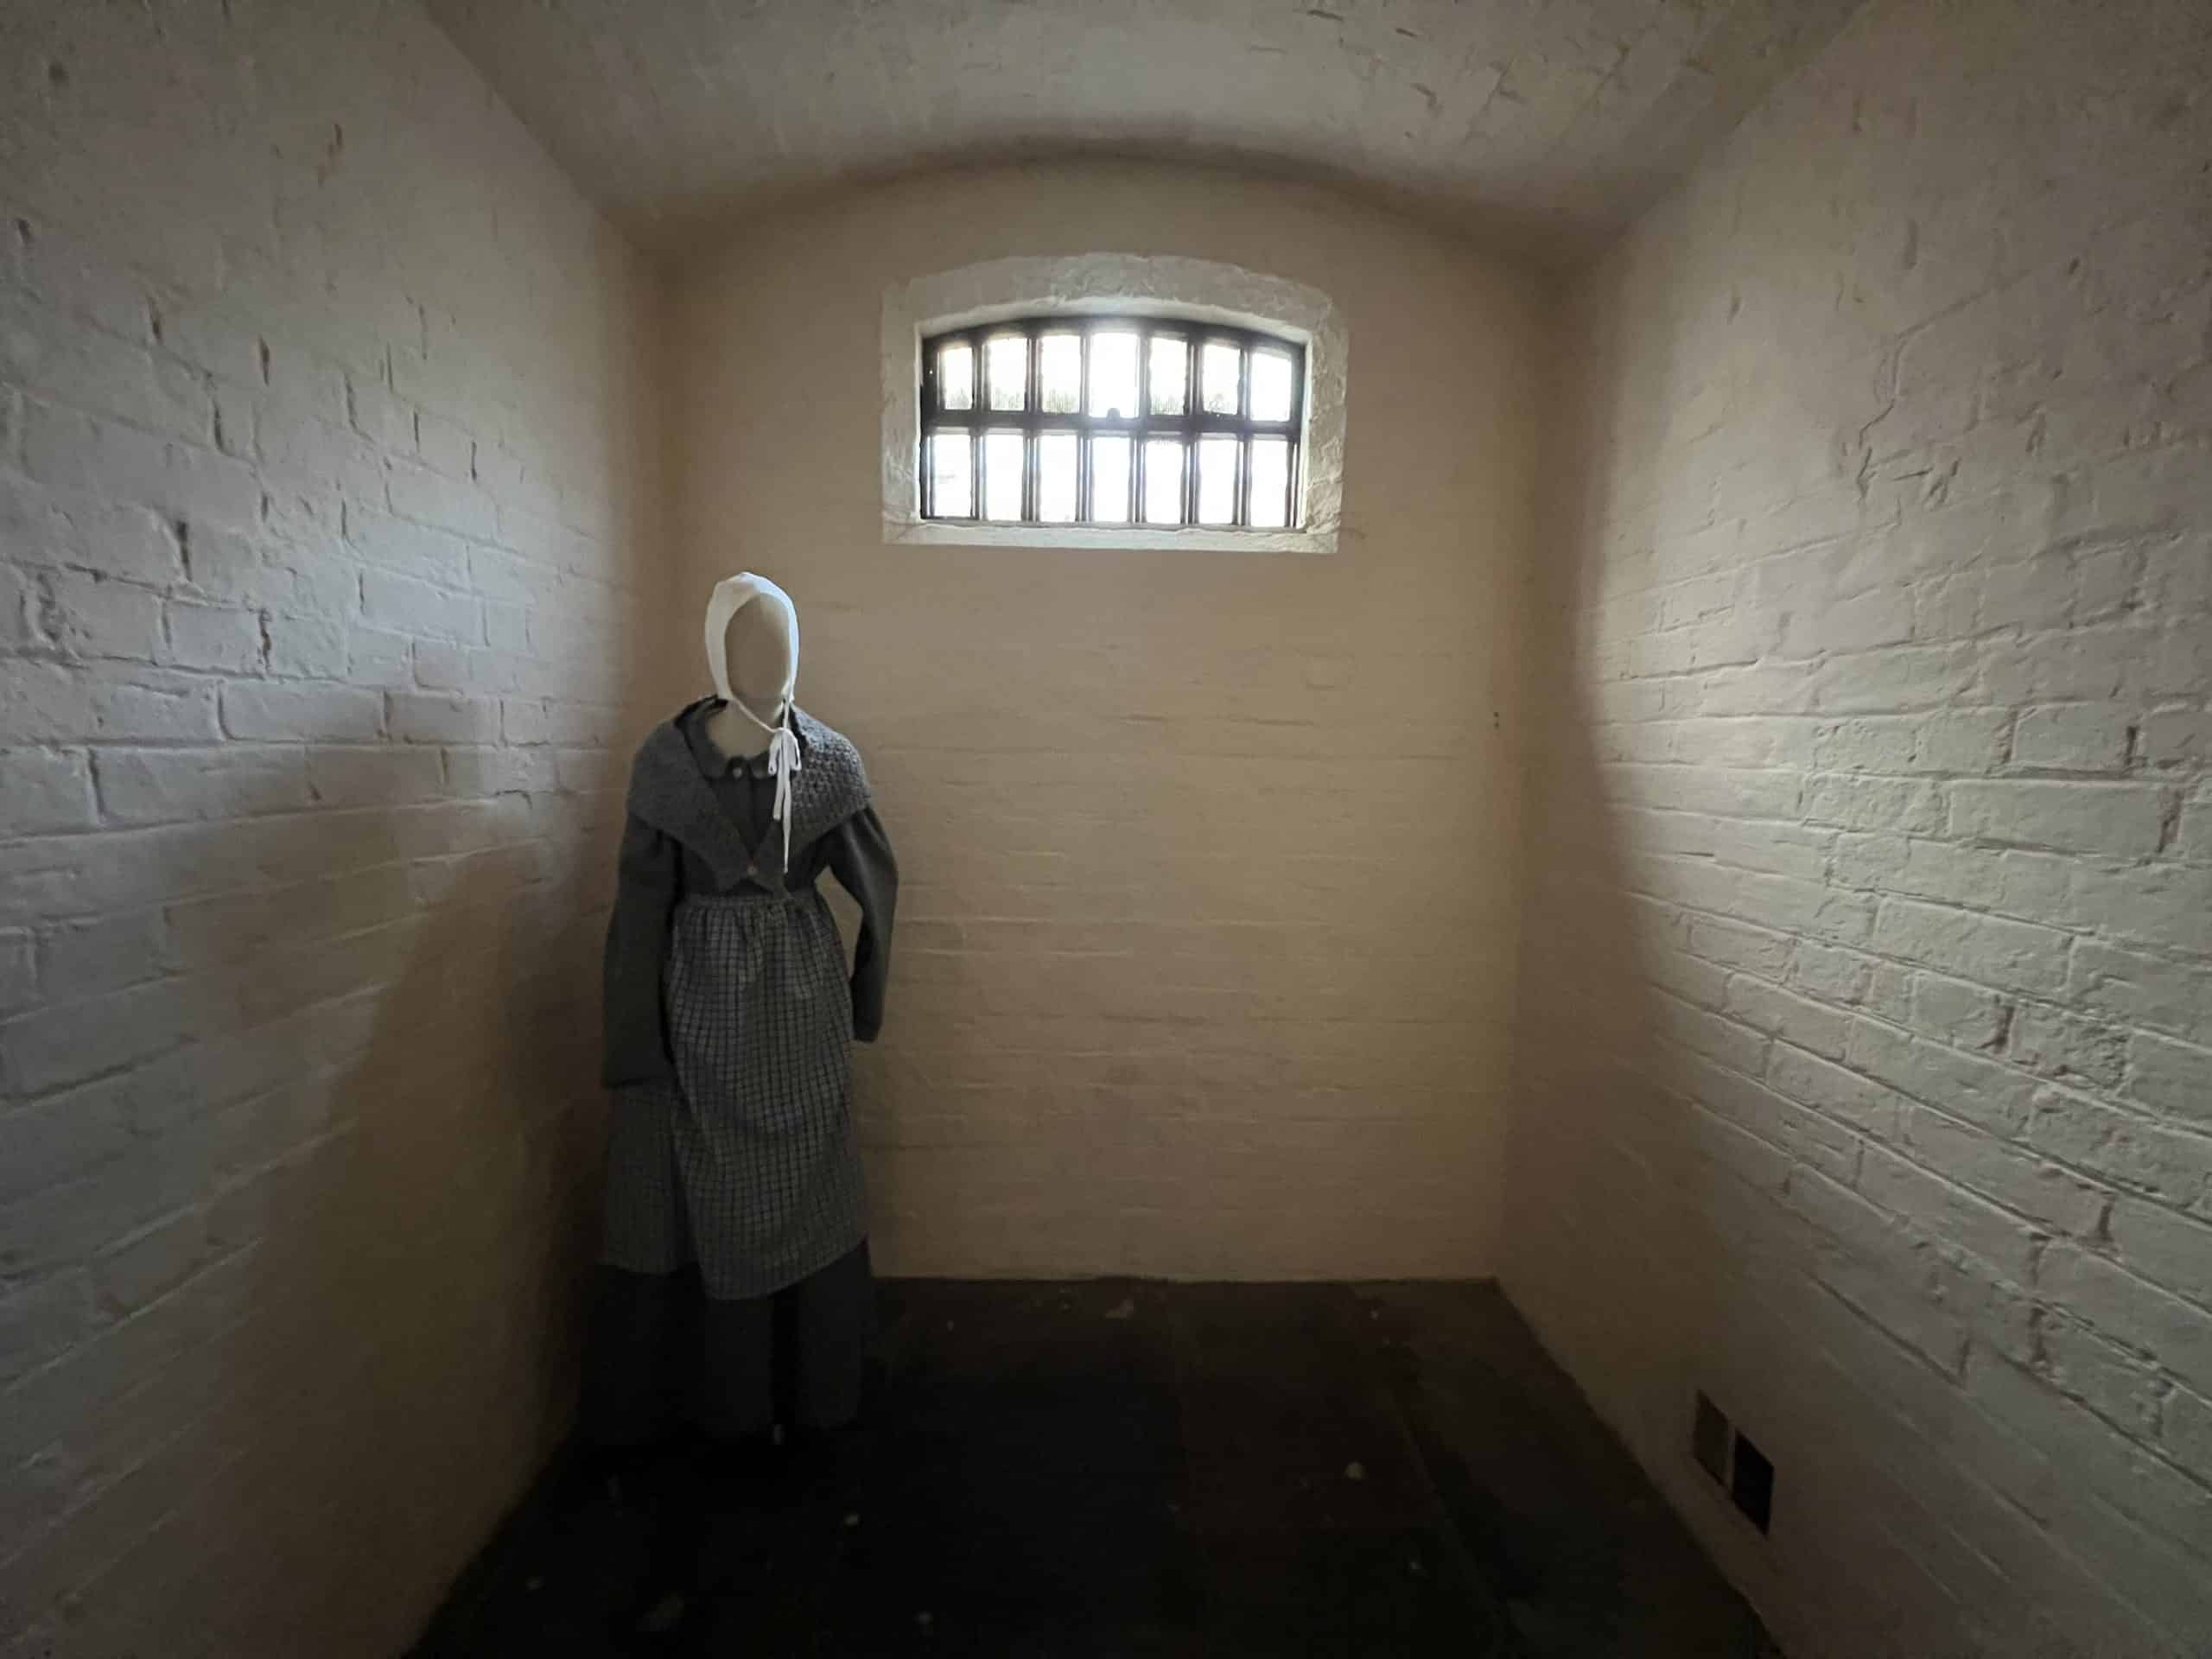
1117,284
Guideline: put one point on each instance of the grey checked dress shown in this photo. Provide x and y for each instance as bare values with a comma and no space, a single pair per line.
733,1171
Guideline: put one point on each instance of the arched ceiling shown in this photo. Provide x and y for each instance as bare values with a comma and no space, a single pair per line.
1544,123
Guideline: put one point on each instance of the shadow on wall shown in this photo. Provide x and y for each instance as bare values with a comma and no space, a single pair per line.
383,1323
359,1342
426,1260
445,1229
371,1345
1607,1144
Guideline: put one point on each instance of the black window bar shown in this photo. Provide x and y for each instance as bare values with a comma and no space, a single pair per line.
1230,435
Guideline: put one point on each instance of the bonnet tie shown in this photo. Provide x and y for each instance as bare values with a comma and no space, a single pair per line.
783,761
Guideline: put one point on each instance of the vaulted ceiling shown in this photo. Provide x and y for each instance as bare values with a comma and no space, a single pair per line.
1544,123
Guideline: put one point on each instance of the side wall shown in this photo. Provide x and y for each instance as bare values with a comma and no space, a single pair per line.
320,473
1207,931
1865,1070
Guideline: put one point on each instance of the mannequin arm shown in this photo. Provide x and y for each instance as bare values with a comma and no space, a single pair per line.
860,857
648,874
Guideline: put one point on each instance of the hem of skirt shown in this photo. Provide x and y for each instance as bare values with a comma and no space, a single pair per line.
768,1285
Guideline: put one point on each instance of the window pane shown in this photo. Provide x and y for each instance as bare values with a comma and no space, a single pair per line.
1114,374
1218,480
1270,483
1202,389
1171,373
1059,373
1002,475
1217,376
952,487
1006,365
1270,386
1109,480
1056,477
1163,481
956,377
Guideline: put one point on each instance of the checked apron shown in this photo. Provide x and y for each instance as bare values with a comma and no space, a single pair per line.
745,1160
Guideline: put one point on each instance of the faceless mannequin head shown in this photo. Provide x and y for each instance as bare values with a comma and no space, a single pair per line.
757,645
753,643
752,652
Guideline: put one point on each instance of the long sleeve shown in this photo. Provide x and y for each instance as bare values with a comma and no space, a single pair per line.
860,857
647,875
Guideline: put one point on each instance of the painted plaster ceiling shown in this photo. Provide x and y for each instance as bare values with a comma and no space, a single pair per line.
1543,123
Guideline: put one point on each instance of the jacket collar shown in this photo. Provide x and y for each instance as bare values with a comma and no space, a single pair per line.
713,763
670,791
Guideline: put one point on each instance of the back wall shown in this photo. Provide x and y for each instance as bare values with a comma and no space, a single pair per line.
1206,938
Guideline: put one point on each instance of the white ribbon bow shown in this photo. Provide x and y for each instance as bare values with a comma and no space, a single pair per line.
783,761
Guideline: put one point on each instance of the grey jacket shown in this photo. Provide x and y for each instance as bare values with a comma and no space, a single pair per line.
698,823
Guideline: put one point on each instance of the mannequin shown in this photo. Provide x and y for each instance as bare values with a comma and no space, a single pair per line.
735,1294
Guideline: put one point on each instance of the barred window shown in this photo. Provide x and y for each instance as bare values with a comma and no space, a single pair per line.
1097,420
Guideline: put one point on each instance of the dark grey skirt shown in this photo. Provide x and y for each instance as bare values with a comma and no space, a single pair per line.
663,1355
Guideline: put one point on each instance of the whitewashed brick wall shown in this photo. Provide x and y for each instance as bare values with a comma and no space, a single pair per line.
1205,958
320,562
1865,1042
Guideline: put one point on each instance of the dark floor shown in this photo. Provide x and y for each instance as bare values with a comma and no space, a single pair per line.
1123,1468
